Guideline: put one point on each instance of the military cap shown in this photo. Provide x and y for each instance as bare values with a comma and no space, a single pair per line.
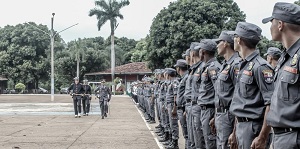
225,36
186,53
248,30
170,71
76,78
273,51
181,63
286,12
102,81
207,44
193,45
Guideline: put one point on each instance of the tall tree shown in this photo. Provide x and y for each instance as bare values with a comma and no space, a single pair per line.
109,11
185,21
78,53
23,53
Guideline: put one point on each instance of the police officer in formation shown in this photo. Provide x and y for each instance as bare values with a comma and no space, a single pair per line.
104,95
284,114
235,103
86,99
77,91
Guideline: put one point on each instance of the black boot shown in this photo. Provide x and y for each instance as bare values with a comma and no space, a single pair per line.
173,145
158,126
164,138
152,121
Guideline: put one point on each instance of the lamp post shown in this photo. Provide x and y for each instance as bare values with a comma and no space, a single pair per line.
52,35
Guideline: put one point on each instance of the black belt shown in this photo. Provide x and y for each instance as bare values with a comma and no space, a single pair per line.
194,102
204,107
181,108
222,110
245,119
278,130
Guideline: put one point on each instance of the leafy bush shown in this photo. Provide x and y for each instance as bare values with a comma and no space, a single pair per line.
20,87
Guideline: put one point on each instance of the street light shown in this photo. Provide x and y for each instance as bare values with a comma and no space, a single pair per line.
52,36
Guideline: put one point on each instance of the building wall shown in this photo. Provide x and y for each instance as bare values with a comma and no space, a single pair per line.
127,79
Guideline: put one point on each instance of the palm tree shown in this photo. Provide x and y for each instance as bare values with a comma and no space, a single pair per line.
78,52
109,11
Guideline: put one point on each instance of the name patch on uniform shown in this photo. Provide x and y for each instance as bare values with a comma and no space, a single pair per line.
268,75
290,69
248,73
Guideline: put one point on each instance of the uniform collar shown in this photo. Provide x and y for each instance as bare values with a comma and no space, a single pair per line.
210,61
231,59
294,48
252,55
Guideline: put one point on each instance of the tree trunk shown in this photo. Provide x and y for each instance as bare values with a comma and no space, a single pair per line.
77,74
112,54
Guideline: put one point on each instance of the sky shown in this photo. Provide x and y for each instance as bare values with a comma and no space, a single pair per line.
137,20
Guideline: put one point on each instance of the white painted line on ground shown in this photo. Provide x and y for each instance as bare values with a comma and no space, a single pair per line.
154,136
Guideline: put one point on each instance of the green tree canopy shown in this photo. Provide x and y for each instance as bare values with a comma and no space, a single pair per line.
185,21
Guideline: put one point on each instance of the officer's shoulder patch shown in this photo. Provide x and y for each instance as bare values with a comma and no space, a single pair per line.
268,75
294,60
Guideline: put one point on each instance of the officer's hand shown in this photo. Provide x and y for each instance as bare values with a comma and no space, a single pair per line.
258,143
232,141
212,125
184,114
174,113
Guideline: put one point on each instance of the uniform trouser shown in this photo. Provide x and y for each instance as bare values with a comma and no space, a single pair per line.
188,109
88,104
77,104
209,137
166,115
183,124
174,128
84,103
103,106
269,140
287,140
157,109
224,123
246,133
152,109
197,127
147,107
162,114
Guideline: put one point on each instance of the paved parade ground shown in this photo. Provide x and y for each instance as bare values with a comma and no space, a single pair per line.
34,122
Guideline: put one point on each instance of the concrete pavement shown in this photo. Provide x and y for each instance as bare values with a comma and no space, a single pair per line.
34,122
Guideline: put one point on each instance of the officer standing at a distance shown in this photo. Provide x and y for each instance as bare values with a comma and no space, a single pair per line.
77,91
273,54
86,99
253,89
284,114
104,94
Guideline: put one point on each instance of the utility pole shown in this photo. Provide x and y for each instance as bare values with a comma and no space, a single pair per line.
52,57
52,35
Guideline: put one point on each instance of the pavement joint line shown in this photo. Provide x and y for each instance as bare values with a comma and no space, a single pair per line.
154,136
83,133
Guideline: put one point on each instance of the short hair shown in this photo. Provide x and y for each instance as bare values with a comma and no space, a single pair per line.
293,27
195,53
210,53
276,57
184,68
250,43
